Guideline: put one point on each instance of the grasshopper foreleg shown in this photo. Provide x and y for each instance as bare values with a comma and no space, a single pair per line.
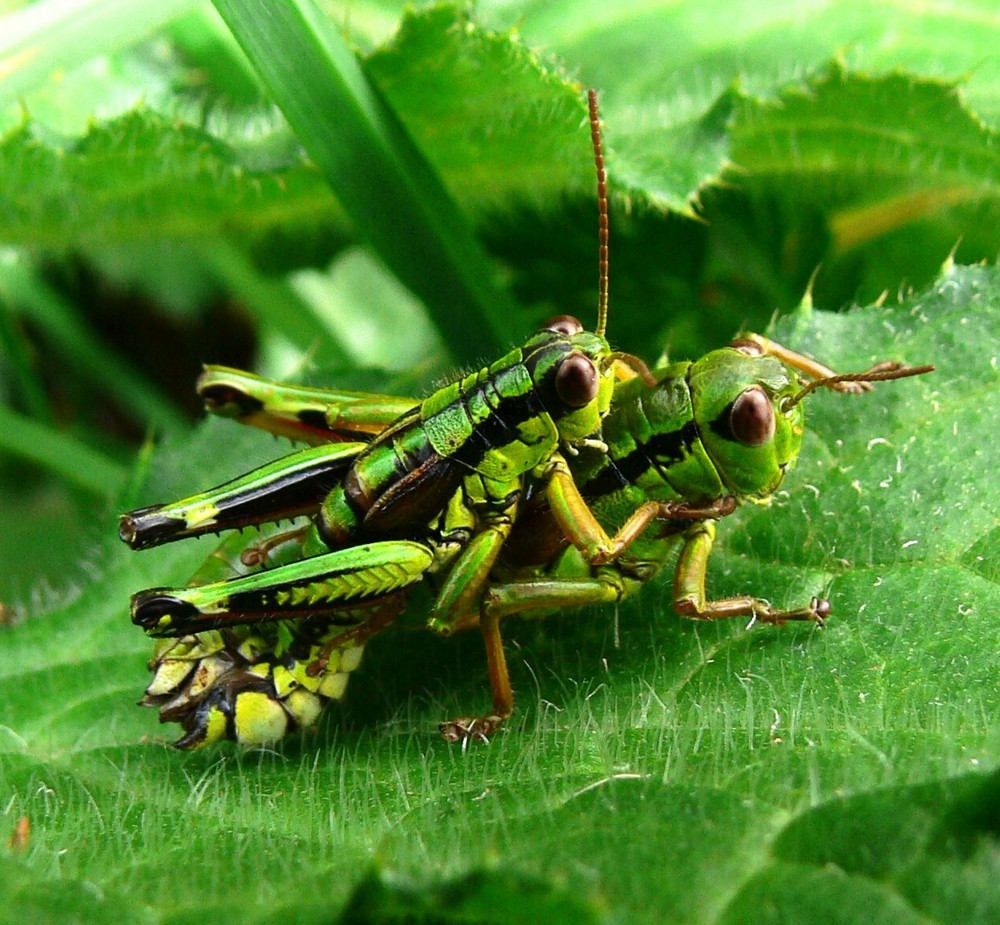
585,531
689,589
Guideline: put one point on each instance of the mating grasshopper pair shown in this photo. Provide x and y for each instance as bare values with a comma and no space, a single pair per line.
561,475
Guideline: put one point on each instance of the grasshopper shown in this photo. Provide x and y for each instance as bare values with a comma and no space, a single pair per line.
724,428
563,474
436,490
685,447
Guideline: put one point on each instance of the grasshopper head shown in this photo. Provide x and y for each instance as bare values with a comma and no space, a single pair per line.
739,397
575,380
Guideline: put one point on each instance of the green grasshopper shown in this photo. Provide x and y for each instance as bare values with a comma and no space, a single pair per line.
437,489
677,452
684,447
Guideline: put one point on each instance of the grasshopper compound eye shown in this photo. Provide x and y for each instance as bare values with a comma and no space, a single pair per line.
751,418
577,382
563,324
750,347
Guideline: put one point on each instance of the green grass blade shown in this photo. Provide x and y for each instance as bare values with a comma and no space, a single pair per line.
28,294
73,461
273,301
394,198
16,353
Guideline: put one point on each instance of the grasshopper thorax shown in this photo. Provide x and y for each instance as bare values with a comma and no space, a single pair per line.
740,401
507,419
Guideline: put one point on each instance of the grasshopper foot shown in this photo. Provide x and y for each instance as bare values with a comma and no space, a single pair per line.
817,612
471,728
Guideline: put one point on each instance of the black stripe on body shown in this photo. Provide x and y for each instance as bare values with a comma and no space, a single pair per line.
391,456
499,390
259,607
295,493
658,453
500,428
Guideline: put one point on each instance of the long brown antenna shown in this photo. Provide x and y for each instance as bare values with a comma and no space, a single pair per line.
602,206
880,373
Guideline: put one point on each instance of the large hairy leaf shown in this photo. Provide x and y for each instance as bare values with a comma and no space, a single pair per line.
655,770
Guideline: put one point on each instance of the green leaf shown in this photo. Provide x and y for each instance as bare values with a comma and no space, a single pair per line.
480,896
895,147
884,159
663,66
657,770
899,854
146,176
139,177
482,104
45,39
488,104
873,173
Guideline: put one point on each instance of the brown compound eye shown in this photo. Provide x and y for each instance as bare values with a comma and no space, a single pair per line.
752,417
750,347
563,324
577,382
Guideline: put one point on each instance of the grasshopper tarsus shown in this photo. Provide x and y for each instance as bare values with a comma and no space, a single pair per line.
467,729
816,612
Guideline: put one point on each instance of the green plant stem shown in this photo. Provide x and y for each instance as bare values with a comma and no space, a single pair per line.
394,198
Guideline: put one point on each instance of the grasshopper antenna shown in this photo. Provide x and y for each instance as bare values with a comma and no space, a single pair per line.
602,206
879,373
